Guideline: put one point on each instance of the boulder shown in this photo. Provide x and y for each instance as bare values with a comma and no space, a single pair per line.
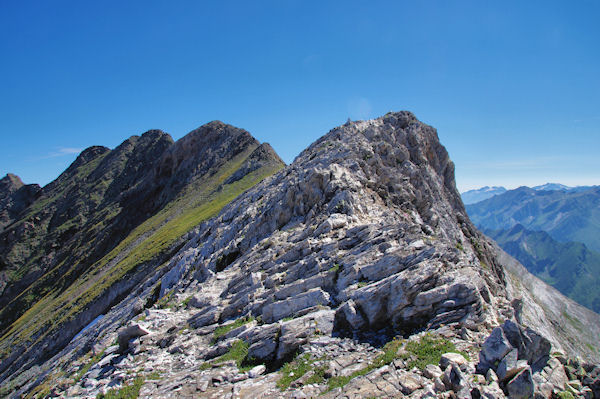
521,386
257,371
532,346
451,357
453,378
207,316
130,332
432,371
296,332
557,376
281,309
510,366
495,347
262,340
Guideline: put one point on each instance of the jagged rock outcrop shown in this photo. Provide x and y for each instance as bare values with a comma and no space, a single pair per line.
14,197
356,267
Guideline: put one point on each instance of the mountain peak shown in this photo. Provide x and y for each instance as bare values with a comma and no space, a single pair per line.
10,183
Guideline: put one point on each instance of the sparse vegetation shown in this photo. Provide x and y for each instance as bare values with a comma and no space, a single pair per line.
86,367
427,350
222,330
238,352
294,370
129,391
390,351
565,395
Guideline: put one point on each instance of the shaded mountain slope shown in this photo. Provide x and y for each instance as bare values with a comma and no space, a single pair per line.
14,197
569,267
566,216
113,216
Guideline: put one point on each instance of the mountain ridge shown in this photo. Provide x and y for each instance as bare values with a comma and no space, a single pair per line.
358,251
99,205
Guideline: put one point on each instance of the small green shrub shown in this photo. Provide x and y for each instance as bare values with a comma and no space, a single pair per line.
318,376
187,300
238,352
130,391
294,370
86,367
428,350
565,395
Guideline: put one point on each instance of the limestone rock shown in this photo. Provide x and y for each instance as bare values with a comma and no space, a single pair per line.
132,331
510,366
521,386
495,347
453,358
256,371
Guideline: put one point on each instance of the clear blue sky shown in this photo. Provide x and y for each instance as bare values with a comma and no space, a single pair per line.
513,87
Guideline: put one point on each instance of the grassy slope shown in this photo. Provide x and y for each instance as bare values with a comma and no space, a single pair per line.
198,203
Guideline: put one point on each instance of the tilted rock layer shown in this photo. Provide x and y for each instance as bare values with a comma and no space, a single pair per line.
362,239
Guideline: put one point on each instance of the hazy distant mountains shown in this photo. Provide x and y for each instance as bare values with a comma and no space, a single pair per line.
553,230
480,194
483,193
565,215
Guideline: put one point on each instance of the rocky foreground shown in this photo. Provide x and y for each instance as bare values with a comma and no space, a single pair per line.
354,272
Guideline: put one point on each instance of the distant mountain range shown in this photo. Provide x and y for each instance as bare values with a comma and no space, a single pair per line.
480,194
483,193
553,230
565,215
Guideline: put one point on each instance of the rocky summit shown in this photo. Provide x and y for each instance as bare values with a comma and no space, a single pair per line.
354,272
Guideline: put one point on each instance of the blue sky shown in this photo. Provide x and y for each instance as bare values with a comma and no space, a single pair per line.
512,87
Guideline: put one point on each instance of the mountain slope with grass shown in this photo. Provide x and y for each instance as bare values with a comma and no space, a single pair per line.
114,216
569,267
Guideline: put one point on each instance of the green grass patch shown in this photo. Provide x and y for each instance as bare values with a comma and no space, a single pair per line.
238,352
427,350
335,268
294,370
390,351
222,330
86,367
565,395
318,376
130,391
